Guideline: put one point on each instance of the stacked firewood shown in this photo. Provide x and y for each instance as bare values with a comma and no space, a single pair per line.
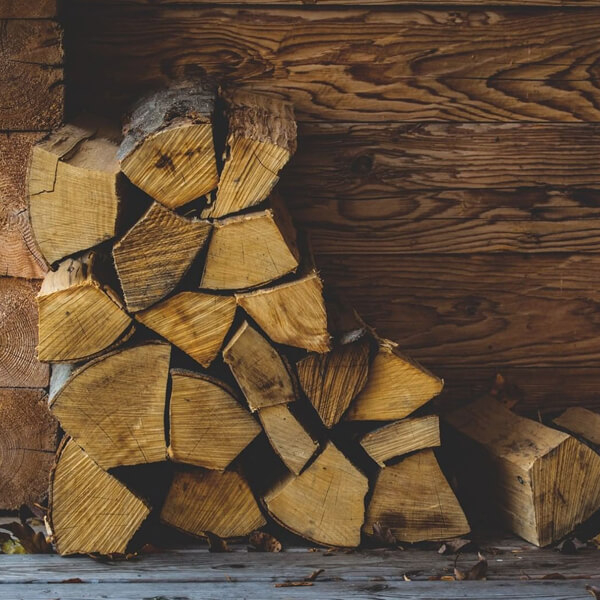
184,317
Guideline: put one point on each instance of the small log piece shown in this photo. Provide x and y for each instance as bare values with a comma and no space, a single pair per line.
75,188
154,255
581,422
168,148
114,406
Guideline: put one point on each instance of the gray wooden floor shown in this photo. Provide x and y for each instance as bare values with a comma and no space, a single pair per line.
516,570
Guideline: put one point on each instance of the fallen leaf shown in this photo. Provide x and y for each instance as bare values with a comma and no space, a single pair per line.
261,541
12,546
215,543
453,546
596,541
593,590
476,572
113,557
406,577
570,546
72,580
33,542
383,535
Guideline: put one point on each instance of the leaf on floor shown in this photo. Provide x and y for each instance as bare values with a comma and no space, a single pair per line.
215,543
261,541
476,572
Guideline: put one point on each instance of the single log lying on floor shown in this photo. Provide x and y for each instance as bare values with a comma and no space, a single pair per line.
402,437
261,139
581,422
415,502
332,380
246,251
78,315
90,510
74,188
195,322
168,148
209,427
544,481
396,387
324,504
291,313
155,254
114,406
28,439
262,374
288,437
218,502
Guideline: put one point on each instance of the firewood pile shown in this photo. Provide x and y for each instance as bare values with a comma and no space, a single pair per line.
186,322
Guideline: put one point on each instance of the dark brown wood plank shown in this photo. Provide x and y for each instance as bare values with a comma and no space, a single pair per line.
493,310
27,9
31,75
350,64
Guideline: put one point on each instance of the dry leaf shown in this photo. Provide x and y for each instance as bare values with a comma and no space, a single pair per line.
570,546
383,535
263,542
72,580
593,590
215,543
114,557
33,542
453,546
596,541
476,572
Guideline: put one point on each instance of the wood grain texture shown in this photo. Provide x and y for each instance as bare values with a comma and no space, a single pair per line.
27,9
356,64
323,3
31,75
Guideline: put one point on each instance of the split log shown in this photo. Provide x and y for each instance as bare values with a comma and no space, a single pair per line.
209,427
396,387
261,372
90,510
287,436
324,504
415,502
217,502
28,440
78,315
75,188
154,255
19,366
261,139
167,148
581,422
291,313
248,250
114,406
401,438
196,323
543,481
331,381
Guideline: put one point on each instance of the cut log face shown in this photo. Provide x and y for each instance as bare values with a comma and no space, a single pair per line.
74,189
291,313
289,439
91,511
114,406
397,386
168,148
222,503
261,139
401,438
331,381
28,440
195,322
247,251
209,427
156,253
261,373
415,502
581,422
325,503
545,482
78,316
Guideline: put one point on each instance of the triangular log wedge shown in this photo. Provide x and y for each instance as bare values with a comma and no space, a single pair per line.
402,437
325,504
261,372
220,502
114,405
331,381
78,315
156,253
90,510
28,440
209,427
195,322
544,481
74,189
288,437
415,502
396,387
246,251
291,313
168,148
581,422
261,139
